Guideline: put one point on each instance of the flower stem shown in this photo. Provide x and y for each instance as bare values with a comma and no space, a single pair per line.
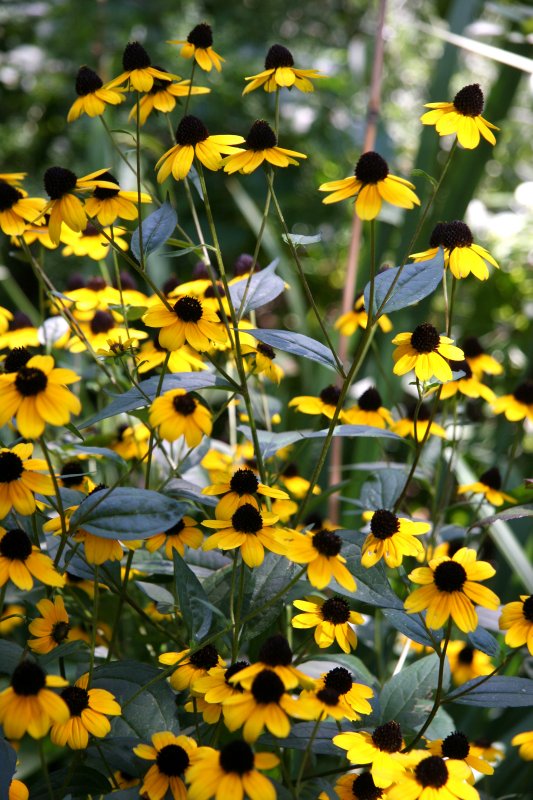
138,176
306,754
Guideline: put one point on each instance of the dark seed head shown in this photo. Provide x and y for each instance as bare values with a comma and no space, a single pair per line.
266,350
339,679
172,760
291,470
384,524
388,737
424,412
449,576
469,100
201,36
267,687
102,322
461,366
335,610
466,655
210,291
11,467
16,545
237,756
261,136
492,478
87,81
327,543
278,56
191,130
232,670
60,632
72,473
97,284
244,264
527,608
188,309
200,271
524,393
101,193
184,404
330,395
170,284
244,481
135,57
364,788
16,359
127,281
28,679
370,400
176,528
9,195
455,746
328,696
20,320
437,234
275,651
75,281
456,234
432,771
472,347
59,181
371,168
454,545
247,519
205,658
76,698
425,338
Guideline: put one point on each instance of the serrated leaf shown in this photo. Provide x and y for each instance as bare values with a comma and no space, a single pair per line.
416,281
8,763
408,696
193,601
482,640
263,287
156,229
496,692
298,344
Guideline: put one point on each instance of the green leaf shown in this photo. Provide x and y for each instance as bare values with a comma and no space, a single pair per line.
84,782
162,597
373,586
515,512
264,582
156,229
193,601
352,663
416,281
127,513
496,692
297,344
264,286
10,655
441,726
422,174
118,752
298,239
132,312
408,696
482,640
97,452
411,626
301,732
8,764
382,489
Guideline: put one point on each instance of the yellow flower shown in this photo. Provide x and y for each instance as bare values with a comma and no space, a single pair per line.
124,780
88,712
18,791
372,183
392,538
188,321
162,97
91,242
27,705
199,45
489,485
105,335
321,550
262,362
183,532
191,667
231,773
11,616
172,756
215,687
356,787
262,144
274,654
456,747
348,323
17,209
354,695
152,355
37,394
450,588
19,479
368,411
193,139
21,562
435,779
20,333
517,620
466,662
5,317
138,70
518,405
332,620
525,742
406,425
461,255
52,628
93,95
426,352
178,413
98,549
462,117
325,403
280,72
468,385
133,441
293,481
108,204
478,360
249,529
240,490
323,703
382,749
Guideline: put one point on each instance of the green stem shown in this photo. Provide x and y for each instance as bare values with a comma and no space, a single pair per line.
189,93
120,604
138,177
151,441
59,501
94,627
306,754
44,768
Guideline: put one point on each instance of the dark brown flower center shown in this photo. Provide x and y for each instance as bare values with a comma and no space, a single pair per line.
432,771
190,131
101,193
524,393
11,467
16,545
291,470
492,478
364,788
275,651
244,481
461,366
30,381
384,524
423,412
237,757
328,696
339,679
59,181
172,760
267,687
261,136
454,545
371,168
247,519
370,400
455,746
188,309
201,36
456,234
472,347
16,359
60,632
244,264
205,658
232,670
72,473
266,350
425,338
87,81
335,610
527,608
28,679
176,528
278,56
449,576
327,543
9,195
388,737
330,395
469,100
135,57
466,655
76,698
184,404
102,322
435,240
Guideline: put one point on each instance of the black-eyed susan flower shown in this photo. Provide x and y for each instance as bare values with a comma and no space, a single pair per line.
524,741
17,209
11,616
381,748
462,117
450,588
132,441
355,695
478,360
20,478
98,549
18,790
50,629
468,385
274,654
466,662
64,206
433,778
407,426
231,773
425,351
189,321
108,204
262,361
357,787
92,242
27,705
138,73
20,333
5,317
322,703
321,551
172,756
178,413
348,323
239,490
73,475
89,710
93,95
250,530
295,483
215,687
183,533
193,139
372,184
152,355
37,394
106,335
489,485
368,411
392,538
199,45
517,620
461,254
190,667
457,747
332,620
162,97
280,72
262,145
124,780
518,405
325,403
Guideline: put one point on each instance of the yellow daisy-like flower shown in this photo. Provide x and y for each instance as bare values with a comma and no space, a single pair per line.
274,654
172,755
52,628
199,45
372,184
191,667
240,490
162,97
215,687
262,144
11,616
108,204
332,621
466,662
382,749
406,425
434,778
17,791
468,385
189,321
20,479
525,742
98,549
93,95
5,317
27,705
106,335
13,178
152,355
489,485
193,139
368,411
354,695
392,538
450,588
138,70
357,787
124,780
462,117
478,360
262,362
280,72
322,703
178,413
73,475
347,324
461,255
37,394
88,710
425,351
183,532
133,441
249,529
91,242
517,620
457,748
17,209
321,550
20,333
231,773
325,403
518,405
